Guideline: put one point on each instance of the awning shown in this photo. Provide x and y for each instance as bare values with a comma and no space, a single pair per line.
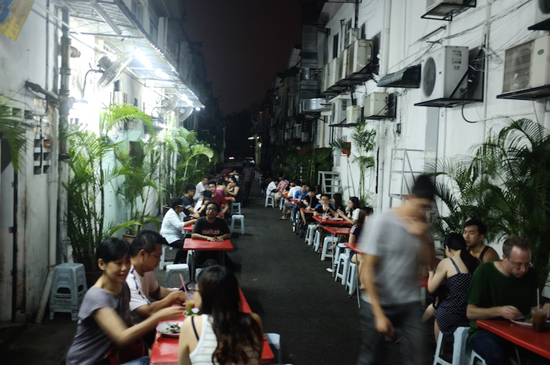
408,77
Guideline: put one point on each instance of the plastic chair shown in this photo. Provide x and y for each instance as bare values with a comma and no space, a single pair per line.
459,353
281,203
351,282
274,341
343,262
476,359
326,242
182,269
269,201
317,241
236,208
310,234
68,289
240,218
162,262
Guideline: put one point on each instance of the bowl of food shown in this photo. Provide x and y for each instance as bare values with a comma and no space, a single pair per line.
526,321
169,329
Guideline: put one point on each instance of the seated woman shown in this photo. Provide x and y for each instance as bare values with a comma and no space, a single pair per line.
233,190
172,227
456,270
221,334
104,316
221,188
356,230
337,199
354,207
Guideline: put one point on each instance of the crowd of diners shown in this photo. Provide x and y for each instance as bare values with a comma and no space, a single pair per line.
471,282
120,312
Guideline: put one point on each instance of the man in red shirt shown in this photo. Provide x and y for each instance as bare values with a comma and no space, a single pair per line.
220,199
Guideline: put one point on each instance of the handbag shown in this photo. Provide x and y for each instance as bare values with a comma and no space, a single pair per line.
121,355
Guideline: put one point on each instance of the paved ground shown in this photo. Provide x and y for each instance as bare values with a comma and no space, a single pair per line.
283,281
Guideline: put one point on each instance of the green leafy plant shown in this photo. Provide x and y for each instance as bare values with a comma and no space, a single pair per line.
13,131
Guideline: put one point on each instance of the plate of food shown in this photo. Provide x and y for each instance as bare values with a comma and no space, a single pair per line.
169,329
526,321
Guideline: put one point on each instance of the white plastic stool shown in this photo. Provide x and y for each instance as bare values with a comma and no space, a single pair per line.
343,263
274,341
68,289
236,208
281,203
162,262
310,233
317,241
340,248
475,356
182,269
237,217
459,348
326,242
351,281
269,202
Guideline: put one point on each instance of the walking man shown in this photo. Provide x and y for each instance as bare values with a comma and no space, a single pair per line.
393,244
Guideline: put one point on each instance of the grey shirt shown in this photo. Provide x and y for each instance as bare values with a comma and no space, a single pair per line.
396,275
91,343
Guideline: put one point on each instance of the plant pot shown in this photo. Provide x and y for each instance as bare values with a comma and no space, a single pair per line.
165,209
128,237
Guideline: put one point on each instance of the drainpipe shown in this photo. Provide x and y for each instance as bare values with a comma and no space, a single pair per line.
64,107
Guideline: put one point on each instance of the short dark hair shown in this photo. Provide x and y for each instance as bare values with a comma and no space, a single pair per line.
207,194
328,197
175,202
211,202
517,241
481,227
189,187
212,182
146,240
423,188
111,249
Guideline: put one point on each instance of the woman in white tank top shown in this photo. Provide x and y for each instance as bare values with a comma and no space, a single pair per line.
221,334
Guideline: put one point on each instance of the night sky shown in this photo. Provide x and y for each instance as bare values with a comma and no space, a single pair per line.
245,43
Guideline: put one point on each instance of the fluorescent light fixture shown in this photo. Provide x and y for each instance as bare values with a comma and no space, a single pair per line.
141,57
251,138
162,74
198,109
186,99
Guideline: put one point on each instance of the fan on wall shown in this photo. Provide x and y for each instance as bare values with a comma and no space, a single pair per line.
113,70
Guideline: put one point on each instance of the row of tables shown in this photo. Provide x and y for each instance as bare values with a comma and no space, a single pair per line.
165,349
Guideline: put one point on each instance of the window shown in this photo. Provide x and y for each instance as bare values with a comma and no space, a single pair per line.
335,46
137,9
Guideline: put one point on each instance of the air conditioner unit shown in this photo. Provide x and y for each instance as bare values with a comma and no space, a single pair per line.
376,105
526,65
352,35
360,54
442,71
353,114
305,137
334,74
343,67
431,4
543,11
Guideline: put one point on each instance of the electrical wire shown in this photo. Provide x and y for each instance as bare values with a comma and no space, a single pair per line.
463,117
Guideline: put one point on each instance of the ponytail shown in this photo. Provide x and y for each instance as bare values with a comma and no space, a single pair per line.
469,260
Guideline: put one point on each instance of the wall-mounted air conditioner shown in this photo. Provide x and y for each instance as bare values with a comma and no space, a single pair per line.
324,78
430,4
334,73
543,11
442,71
343,66
526,66
353,114
297,131
376,106
360,54
305,137
352,35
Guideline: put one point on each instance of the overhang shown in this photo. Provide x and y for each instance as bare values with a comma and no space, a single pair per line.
408,77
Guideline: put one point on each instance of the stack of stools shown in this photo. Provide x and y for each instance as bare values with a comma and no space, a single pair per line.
310,234
342,263
68,289
240,218
235,208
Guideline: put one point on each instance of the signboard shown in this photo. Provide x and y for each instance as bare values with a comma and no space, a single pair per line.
13,14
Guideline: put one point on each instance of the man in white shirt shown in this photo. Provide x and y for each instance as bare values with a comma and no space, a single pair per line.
288,204
272,187
201,187
145,254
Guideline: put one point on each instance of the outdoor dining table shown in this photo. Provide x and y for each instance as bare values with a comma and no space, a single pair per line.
523,336
165,349
332,221
204,245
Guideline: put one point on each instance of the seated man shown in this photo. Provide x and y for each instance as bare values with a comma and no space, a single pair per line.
188,202
201,187
218,198
272,188
474,233
324,207
281,188
310,202
211,228
145,254
501,289
288,204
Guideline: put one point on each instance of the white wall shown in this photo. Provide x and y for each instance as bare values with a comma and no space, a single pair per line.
501,24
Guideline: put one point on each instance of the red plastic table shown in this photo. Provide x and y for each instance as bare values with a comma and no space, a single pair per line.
525,337
335,222
204,245
295,201
165,349
188,228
